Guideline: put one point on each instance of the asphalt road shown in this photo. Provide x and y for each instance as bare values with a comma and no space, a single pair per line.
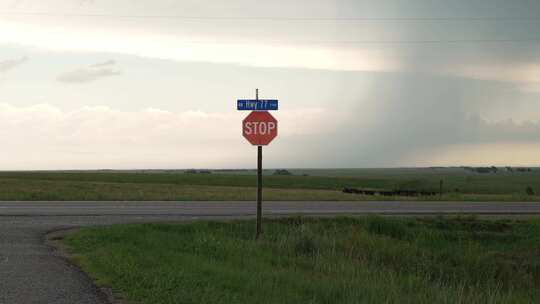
33,272
164,209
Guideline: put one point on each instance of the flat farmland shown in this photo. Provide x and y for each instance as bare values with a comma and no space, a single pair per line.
306,184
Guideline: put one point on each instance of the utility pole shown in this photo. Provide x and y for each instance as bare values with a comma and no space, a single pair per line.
259,183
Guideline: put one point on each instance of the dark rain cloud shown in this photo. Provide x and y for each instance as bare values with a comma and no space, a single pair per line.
408,116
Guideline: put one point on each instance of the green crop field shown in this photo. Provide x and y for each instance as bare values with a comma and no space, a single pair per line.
302,260
307,184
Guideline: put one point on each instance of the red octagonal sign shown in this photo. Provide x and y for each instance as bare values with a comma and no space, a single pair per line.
259,128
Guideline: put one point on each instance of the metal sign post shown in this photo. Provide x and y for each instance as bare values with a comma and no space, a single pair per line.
259,183
259,128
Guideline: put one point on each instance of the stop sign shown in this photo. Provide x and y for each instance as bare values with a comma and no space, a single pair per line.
259,128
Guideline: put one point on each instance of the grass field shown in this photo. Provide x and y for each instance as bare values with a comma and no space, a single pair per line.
314,184
300,260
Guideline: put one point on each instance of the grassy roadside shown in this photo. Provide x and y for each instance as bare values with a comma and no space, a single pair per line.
299,260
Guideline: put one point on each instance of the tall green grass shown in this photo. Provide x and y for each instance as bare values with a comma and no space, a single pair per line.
300,260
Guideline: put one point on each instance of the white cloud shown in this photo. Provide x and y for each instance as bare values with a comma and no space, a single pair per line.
195,48
91,73
7,65
104,64
45,137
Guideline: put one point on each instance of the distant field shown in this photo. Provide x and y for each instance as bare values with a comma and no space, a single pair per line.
307,184
299,260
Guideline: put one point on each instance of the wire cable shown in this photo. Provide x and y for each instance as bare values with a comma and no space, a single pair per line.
267,18
337,19
365,42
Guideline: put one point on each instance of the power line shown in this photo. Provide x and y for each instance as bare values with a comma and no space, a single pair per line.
266,18
367,42
449,41
345,42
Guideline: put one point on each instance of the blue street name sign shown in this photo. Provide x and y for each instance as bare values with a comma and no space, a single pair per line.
257,105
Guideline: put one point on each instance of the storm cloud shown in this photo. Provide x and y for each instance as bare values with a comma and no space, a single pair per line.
406,119
361,83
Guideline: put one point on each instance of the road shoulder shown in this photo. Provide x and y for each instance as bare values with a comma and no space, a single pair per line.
54,239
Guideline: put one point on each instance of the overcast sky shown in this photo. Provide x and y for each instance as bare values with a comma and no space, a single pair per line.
124,84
